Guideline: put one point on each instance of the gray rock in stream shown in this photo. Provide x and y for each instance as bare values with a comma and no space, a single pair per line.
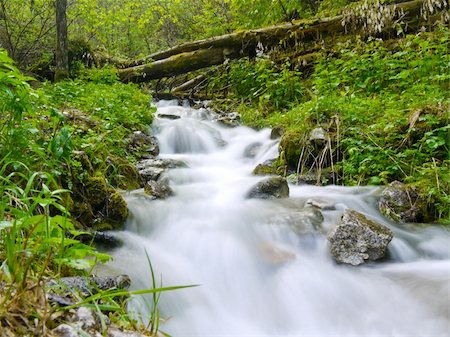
252,149
270,188
158,189
153,168
356,239
402,203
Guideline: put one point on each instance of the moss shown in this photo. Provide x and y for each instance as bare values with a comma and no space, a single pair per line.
96,191
122,174
116,209
291,145
83,213
61,75
263,169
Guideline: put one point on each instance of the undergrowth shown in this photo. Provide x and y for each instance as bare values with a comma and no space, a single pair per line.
48,136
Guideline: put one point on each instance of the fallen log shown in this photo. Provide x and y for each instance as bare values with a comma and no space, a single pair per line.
213,51
177,64
191,84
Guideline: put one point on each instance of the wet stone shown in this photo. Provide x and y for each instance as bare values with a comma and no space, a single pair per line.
271,188
357,240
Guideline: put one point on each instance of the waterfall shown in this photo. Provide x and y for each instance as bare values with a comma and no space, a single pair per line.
256,275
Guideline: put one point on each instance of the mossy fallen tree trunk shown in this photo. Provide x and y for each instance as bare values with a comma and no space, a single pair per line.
205,53
177,64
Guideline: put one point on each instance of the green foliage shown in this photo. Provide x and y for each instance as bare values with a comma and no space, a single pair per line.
15,105
263,82
384,103
26,29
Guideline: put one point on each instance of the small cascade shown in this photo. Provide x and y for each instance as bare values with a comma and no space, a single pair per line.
257,274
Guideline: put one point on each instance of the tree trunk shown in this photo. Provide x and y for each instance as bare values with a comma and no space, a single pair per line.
177,64
61,52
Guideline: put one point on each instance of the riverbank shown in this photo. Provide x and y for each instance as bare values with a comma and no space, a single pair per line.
365,113
67,151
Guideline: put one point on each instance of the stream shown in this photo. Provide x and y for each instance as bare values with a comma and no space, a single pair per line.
257,273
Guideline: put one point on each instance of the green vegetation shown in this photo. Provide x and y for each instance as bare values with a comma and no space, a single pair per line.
60,150
385,105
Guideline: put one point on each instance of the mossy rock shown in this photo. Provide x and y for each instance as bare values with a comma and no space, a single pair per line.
291,144
84,164
403,203
83,213
264,169
116,209
96,191
122,174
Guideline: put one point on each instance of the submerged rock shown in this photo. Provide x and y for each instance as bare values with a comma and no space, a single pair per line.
168,116
104,239
252,149
307,221
271,188
322,204
356,239
402,203
231,119
272,254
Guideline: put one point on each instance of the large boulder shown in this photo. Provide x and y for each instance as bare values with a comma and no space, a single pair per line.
402,203
271,188
356,239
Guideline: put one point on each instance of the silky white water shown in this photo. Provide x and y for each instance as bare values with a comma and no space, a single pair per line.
256,276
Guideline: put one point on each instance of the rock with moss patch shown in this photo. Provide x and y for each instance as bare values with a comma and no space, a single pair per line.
96,190
271,188
122,174
116,210
356,239
146,145
291,145
230,119
264,169
402,203
277,132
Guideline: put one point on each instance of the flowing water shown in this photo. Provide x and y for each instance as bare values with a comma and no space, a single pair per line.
257,275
